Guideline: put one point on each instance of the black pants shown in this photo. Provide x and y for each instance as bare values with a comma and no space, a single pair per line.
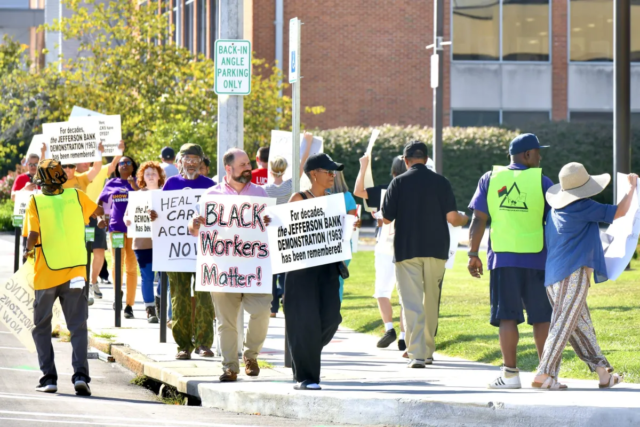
312,309
76,311
277,290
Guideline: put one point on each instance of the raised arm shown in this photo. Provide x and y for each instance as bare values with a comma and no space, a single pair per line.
625,203
309,138
114,163
359,189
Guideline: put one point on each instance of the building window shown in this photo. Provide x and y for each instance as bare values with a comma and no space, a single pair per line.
476,30
465,118
524,118
202,26
525,30
591,30
188,25
479,36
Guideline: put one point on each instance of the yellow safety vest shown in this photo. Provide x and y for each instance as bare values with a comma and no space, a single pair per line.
516,205
61,229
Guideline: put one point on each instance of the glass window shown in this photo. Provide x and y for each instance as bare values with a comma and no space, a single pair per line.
202,26
476,30
213,15
525,30
475,118
188,26
524,118
591,30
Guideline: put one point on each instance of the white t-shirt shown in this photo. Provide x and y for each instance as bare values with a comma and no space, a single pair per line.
169,169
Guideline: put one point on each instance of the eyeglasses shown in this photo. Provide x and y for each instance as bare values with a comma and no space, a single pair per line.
69,167
330,173
191,161
125,163
32,165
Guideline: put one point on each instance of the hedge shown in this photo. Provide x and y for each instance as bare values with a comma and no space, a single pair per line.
6,215
470,152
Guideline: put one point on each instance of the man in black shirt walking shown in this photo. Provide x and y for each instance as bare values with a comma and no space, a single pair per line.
421,202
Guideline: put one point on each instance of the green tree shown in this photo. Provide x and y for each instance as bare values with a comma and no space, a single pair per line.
127,65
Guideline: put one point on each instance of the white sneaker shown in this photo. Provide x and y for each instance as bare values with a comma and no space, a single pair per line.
502,382
90,295
96,291
47,388
416,363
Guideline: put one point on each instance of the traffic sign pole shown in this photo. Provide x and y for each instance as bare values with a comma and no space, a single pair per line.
294,79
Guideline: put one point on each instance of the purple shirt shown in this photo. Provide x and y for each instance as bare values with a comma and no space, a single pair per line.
116,191
178,182
250,189
509,259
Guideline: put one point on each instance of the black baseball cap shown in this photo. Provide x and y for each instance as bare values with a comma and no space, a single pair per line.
322,161
525,142
167,153
416,149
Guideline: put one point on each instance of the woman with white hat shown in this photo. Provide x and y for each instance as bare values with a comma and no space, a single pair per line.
575,252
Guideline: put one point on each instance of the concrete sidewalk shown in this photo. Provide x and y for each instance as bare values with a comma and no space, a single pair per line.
361,384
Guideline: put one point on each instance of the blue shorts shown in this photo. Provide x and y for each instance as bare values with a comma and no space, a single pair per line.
514,290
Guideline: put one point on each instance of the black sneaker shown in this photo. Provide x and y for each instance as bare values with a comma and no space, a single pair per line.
82,387
402,346
128,312
121,297
49,386
151,315
389,337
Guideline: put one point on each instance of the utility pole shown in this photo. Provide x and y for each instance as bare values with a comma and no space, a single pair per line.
230,107
621,91
437,70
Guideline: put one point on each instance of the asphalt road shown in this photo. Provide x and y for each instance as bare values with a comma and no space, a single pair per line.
115,402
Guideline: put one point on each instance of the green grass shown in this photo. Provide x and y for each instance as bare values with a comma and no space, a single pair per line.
105,335
464,329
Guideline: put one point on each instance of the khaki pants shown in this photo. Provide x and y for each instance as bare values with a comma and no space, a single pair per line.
129,267
419,285
227,307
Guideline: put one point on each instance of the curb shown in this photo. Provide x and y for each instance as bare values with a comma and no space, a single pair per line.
355,408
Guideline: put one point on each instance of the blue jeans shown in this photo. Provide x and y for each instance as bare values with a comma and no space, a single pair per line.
145,258
277,291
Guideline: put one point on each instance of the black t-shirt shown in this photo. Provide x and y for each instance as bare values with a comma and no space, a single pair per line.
374,196
419,201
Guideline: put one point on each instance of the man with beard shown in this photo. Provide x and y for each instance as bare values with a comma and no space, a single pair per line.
183,327
228,305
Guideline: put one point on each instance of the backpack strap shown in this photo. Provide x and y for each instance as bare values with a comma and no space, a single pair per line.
303,195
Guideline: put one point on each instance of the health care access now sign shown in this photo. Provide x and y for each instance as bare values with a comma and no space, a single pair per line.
233,67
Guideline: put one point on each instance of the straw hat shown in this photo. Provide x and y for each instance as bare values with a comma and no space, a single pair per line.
575,184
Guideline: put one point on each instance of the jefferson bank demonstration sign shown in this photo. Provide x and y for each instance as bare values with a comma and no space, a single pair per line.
72,142
233,67
233,250
308,233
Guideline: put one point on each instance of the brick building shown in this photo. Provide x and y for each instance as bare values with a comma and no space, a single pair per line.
512,61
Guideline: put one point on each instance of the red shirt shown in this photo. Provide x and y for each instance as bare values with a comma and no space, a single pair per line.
259,176
21,182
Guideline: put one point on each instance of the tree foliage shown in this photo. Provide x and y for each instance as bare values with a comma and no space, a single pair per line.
127,65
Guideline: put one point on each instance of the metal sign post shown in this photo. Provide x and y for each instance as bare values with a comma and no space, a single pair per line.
17,223
89,236
163,306
294,80
117,240
621,91
437,70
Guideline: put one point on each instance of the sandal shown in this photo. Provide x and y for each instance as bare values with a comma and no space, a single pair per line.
549,384
614,379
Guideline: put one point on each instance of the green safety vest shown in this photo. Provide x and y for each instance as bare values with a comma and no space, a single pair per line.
516,207
61,229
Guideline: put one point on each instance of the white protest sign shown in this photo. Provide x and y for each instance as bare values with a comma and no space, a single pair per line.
454,237
174,249
83,112
622,235
232,67
36,145
139,205
72,142
16,305
356,234
233,247
281,147
308,233
22,202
